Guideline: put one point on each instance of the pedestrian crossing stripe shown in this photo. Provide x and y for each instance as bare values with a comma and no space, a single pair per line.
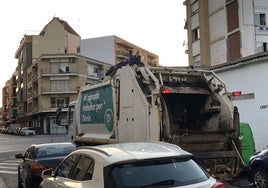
8,172
9,164
8,167
13,161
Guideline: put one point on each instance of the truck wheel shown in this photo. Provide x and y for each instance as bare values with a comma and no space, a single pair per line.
260,178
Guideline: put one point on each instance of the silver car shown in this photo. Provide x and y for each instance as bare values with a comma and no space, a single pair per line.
140,164
26,131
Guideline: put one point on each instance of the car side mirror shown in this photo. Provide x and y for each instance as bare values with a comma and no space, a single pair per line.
19,156
47,173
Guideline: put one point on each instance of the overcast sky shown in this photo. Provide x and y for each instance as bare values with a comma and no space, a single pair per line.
155,25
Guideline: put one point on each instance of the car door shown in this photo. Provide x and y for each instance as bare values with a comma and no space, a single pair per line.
83,169
25,165
60,176
75,171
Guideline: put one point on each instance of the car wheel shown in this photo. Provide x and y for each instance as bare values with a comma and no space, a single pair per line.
260,178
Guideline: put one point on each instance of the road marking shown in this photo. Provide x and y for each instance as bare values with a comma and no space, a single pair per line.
9,164
9,167
11,150
13,161
8,172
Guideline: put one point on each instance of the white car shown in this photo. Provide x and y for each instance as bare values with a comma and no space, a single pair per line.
26,131
139,164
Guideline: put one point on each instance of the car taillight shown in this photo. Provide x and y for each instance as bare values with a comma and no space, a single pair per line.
219,185
37,167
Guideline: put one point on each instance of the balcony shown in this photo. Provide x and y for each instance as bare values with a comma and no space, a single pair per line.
122,54
47,91
34,109
261,30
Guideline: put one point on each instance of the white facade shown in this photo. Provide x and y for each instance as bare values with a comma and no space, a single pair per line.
251,78
219,30
101,48
218,35
261,24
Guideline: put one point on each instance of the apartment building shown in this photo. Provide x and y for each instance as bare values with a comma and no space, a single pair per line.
9,100
5,103
225,30
53,81
50,74
57,37
52,69
112,49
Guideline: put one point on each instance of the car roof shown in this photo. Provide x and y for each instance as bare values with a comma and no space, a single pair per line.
113,153
53,144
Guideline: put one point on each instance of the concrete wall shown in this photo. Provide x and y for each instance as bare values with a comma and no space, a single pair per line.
251,79
56,40
101,48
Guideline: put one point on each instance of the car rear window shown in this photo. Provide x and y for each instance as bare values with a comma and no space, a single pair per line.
55,150
161,173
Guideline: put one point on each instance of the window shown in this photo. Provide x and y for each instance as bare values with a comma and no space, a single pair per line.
59,102
261,47
92,71
59,67
65,167
56,150
59,85
196,34
181,171
194,8
197,60
260,19
30,153
83,169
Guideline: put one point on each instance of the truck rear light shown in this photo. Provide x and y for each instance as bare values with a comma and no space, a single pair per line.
219,185
37,167
236,93
165,91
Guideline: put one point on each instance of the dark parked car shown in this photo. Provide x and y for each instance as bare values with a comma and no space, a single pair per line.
258,166
39,157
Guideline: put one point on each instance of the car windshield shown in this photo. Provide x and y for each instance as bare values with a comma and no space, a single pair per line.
157,173
29,128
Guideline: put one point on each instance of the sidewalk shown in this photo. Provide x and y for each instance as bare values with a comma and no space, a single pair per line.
2,183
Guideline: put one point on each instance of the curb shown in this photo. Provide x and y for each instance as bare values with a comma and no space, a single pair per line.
2,183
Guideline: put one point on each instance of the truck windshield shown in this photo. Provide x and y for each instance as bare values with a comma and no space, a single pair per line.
157,172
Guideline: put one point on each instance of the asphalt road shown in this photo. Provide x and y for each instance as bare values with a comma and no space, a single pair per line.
11,145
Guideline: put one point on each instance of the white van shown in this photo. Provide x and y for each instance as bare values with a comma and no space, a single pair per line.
14,128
